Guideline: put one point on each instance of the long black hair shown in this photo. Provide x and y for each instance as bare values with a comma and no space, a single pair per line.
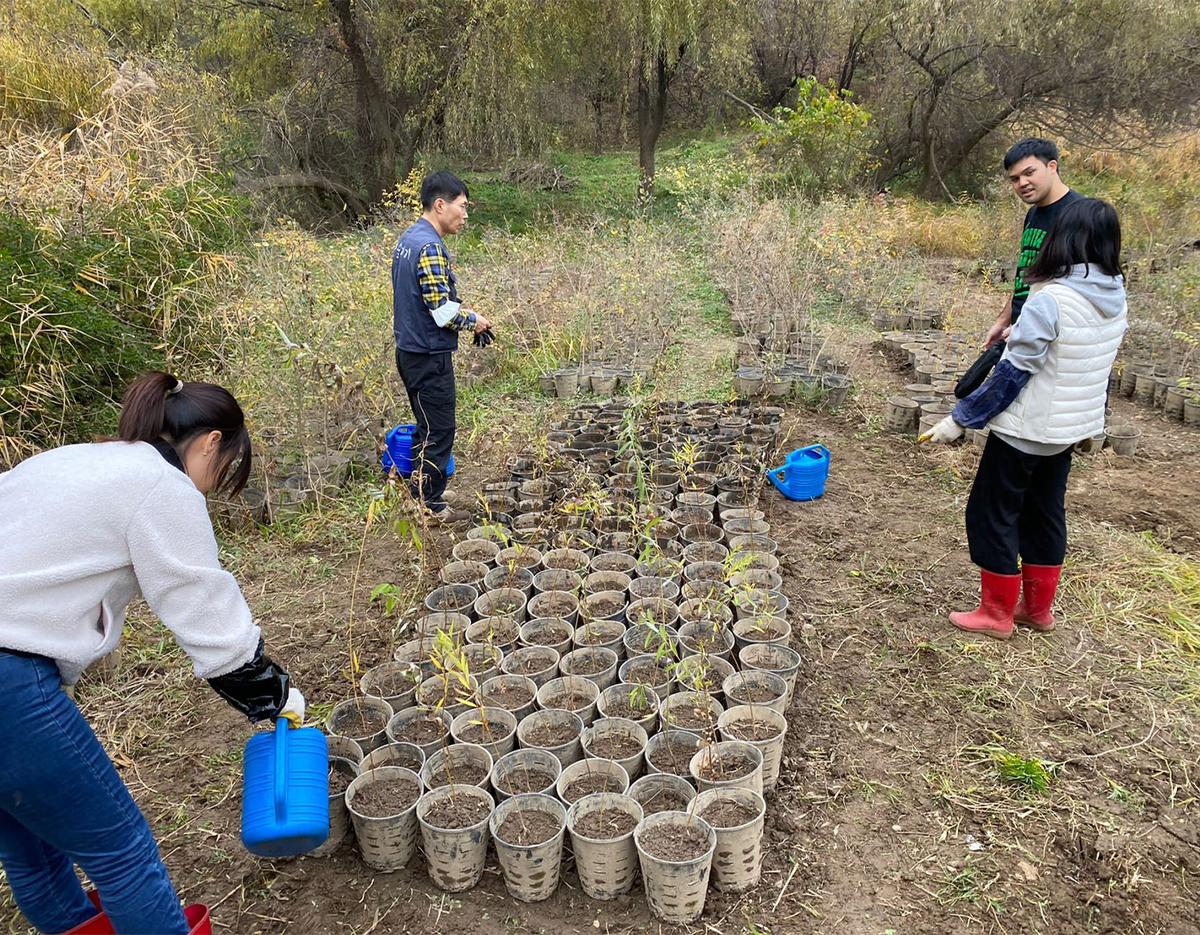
1088,231
156,406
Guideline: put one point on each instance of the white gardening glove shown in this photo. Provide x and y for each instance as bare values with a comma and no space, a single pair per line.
293,708
944,432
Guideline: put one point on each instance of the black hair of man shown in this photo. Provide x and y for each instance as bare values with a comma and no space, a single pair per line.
442,184
1087,231
1035,146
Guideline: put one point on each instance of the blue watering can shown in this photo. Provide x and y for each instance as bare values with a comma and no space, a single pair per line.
398,453
285,791
803,474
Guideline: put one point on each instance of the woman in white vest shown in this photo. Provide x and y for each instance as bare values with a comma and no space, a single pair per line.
1047,393
83,530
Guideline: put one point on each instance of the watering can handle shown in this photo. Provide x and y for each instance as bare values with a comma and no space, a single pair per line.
281,729
821,449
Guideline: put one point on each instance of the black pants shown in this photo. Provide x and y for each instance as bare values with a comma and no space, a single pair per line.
429,380
1017,507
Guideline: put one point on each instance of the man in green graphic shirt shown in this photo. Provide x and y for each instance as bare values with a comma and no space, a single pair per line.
1032,169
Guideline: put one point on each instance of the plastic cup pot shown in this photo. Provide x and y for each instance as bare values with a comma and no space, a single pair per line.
705,552
561,604
757,688
753,542
613,561
503,602
570,693
726,764
759,727
653,610
483,660
445,693
383,804
528,832
618,739
601,829
499,632
598,582
757,602
343,770
514,693
408,755
594,663
763,628
583,777
759,578
702,673
452,598
736,816
675,852
695,712
394,682
539,664
671,751
494,729
575,560
662,792
510,577
637,703
604,605
604,634
476,550
647,669
554,730
467,764
782,660
519,556
464,572
710,637
364,720
345,747
547,631
423,727
653,586
556,579
454,835
522,771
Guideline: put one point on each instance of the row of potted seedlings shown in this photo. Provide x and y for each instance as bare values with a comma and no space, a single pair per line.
1151,385
602,684
804,370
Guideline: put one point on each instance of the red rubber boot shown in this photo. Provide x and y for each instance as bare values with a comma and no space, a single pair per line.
994,616
1039,584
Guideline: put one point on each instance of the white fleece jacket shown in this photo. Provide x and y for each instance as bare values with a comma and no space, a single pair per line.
83,529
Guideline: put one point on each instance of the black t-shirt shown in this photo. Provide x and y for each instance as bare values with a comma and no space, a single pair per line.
1038,222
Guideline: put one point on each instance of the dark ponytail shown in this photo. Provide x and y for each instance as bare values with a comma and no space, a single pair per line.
157,406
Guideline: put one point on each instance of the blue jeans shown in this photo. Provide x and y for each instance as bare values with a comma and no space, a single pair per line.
62,803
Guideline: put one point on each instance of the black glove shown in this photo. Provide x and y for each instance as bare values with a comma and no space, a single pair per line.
258,689
484,338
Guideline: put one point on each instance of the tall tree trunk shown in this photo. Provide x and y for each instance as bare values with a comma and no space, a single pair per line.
373,122
652,114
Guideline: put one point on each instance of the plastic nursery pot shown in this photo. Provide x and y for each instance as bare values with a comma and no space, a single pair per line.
570,693
713,638
525,771
342,771
1123,440
757,578
345,747
454,835
613,561
556,579
503,602
647,670
758,602
737,817
766,629
464,572
394,682
603,634
753,543
465,763
670,751
662,792
601,829
519,579
655,610
782,660
519,556
608,604
653,586
452,598
704,552
446,693
537,663
618,739
408,755
702,673
727,763
422,727
757,688
476,550
695,712
636,703
575,560
584,777
515,693
528,833
494,729
364,720
562,605
760,727
596,664
675,852
483,660
554,730
501,632
382,804
547,631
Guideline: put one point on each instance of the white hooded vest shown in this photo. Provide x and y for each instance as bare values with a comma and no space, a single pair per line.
1063,402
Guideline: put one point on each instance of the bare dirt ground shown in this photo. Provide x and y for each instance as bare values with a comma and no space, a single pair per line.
891,815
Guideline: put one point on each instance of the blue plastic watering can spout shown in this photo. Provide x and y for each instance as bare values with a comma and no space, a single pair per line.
281,758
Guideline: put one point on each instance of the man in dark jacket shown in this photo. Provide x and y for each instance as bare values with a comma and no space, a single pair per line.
427,316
